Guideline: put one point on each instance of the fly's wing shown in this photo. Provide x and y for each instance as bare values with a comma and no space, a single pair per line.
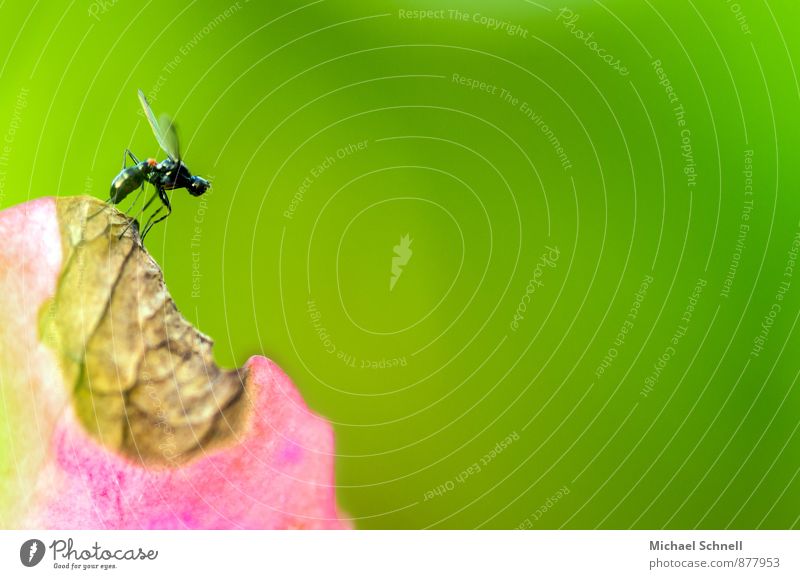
170,136
170,147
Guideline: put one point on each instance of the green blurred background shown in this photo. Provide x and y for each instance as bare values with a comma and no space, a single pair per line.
464,395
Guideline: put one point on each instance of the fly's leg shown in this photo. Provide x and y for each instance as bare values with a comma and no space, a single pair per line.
98,212
146,205
150,223
125,156
136,199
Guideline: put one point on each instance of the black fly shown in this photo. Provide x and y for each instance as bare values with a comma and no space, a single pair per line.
169,174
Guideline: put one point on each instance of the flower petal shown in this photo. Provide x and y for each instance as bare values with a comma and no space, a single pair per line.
123,420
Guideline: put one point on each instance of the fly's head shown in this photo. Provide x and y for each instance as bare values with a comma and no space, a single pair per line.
198,186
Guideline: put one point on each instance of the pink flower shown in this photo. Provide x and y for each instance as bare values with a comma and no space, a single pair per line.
112,412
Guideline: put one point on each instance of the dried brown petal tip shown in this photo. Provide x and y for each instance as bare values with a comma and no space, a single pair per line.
145,382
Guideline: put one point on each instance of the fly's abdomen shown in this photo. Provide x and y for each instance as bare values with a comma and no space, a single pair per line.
128,181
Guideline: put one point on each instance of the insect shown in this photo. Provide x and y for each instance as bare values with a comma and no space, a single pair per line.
171,173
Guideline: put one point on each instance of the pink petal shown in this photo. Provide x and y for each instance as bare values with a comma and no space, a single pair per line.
278,474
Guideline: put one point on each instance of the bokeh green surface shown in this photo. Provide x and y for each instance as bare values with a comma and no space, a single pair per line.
331,129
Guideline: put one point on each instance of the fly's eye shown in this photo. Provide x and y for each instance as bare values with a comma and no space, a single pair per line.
152,162
199,186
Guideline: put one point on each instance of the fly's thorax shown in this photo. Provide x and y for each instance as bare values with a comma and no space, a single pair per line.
173,174
166,165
